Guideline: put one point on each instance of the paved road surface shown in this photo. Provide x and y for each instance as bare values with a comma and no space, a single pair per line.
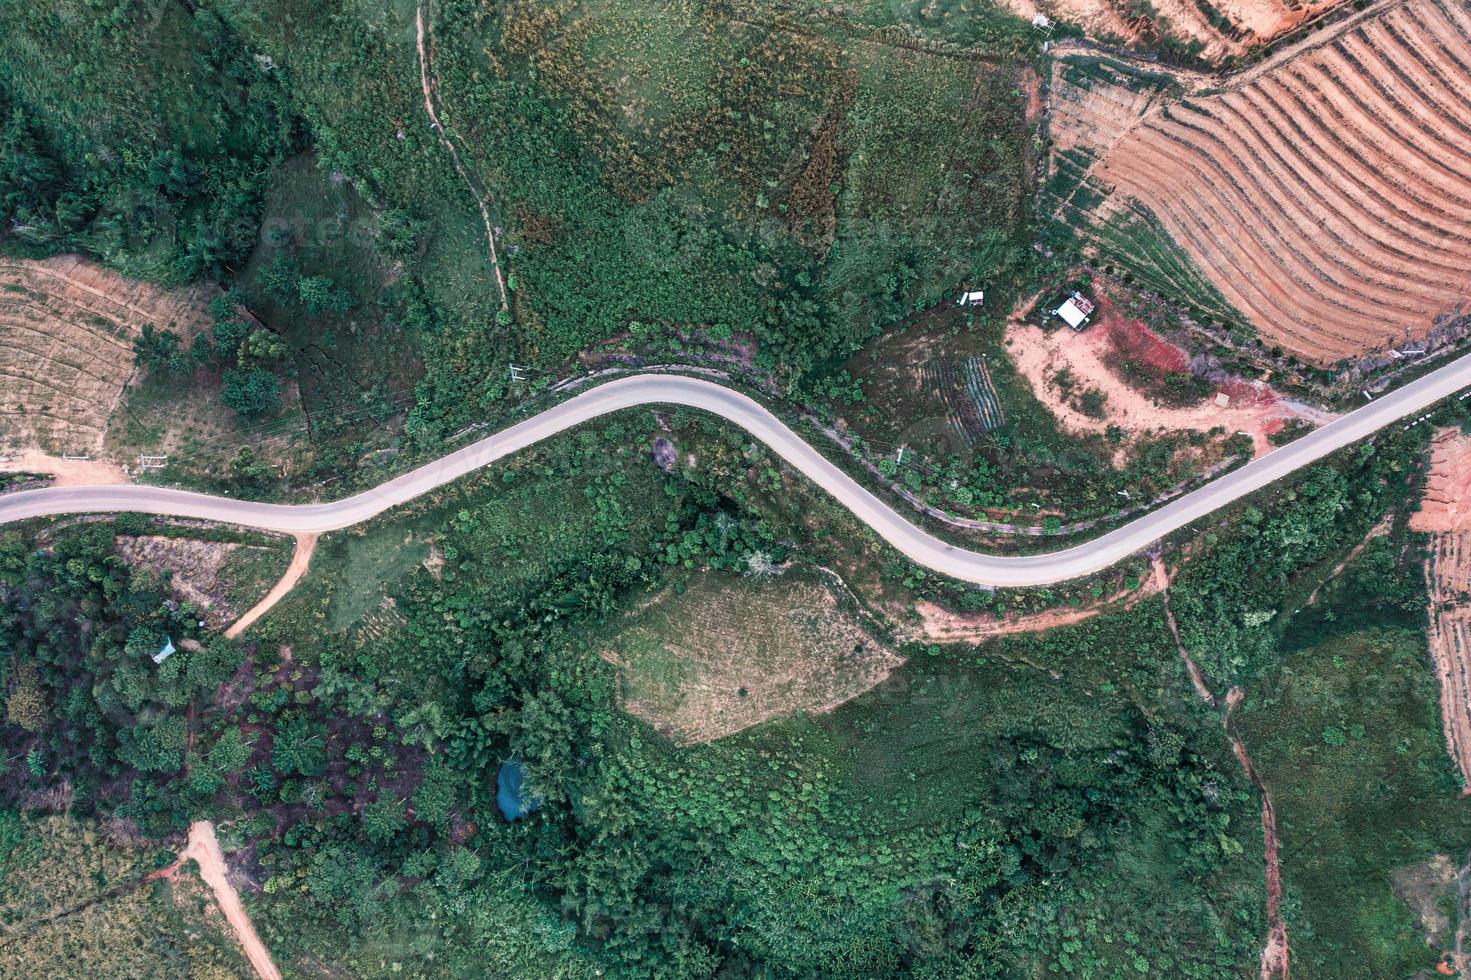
919,545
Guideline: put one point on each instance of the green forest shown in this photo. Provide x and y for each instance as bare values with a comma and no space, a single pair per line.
414,220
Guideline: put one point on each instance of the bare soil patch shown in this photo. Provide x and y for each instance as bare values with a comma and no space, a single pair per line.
1448,579
731,653
1427,888
1223,27
66,334
1041,357
64,472
1445,505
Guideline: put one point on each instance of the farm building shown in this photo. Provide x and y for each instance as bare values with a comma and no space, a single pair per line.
1075,311
973,297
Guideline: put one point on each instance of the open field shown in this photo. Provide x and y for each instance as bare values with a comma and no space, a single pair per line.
1324,198
66,333
725,655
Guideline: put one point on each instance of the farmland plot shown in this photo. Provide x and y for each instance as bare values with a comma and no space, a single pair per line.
1325,199
66,347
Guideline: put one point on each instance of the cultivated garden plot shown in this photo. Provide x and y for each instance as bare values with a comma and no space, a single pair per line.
1325,199
66,333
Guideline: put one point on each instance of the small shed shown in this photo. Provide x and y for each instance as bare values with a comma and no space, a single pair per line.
164,652
973,297
1075,311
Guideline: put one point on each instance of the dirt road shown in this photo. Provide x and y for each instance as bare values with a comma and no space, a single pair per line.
426,83
1275,952
204,848
300,559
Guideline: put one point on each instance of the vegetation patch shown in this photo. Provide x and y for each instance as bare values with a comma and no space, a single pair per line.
1347,740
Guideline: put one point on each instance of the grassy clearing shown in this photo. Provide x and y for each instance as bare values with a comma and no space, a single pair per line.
716,653
71,901
1347,738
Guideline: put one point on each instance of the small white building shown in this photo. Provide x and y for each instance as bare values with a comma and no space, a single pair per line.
164,652
1075,311
974,297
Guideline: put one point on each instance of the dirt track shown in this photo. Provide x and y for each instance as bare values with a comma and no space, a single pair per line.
1276,954
1327,199
430,90
204,849
301,558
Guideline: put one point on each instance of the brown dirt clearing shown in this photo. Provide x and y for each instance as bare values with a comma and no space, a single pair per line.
1448,583
65,472
1040,355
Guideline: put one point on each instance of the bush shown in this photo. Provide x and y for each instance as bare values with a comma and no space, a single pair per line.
252,392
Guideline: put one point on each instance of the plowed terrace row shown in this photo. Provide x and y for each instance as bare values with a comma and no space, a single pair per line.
1327,199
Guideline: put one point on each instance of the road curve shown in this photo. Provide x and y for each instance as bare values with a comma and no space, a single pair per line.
917,544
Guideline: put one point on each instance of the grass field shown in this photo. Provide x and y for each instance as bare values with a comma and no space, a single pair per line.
716,654
71,901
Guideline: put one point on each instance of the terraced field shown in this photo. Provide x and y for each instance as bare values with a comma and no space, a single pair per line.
66,347
1325,198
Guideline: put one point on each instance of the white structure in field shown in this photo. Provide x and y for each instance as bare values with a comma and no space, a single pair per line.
1075,311
974,297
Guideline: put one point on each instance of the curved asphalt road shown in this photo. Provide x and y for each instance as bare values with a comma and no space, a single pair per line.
920,546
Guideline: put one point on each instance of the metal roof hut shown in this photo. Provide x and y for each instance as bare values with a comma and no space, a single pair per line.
1075,311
